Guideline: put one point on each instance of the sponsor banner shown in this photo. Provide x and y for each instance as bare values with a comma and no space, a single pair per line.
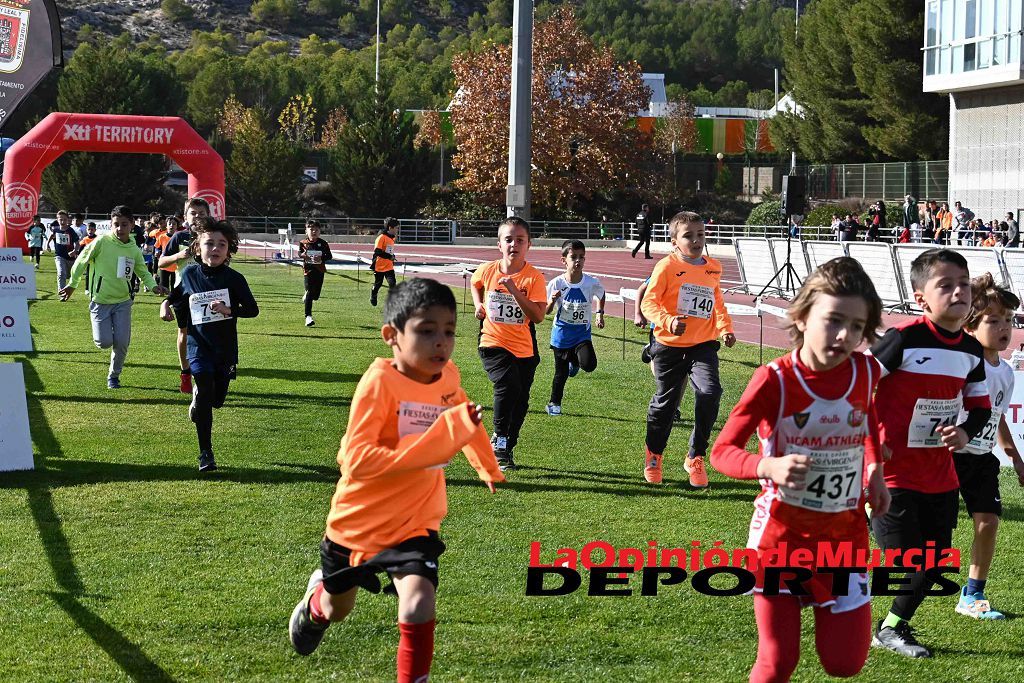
17,278
15,331
30,45
15,439
1014,418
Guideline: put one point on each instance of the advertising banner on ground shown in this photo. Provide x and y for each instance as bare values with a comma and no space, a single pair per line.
15,439
15,331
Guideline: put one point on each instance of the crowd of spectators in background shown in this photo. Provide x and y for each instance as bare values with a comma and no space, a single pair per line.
928,222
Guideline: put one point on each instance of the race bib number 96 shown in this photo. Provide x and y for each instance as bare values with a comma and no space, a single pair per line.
503,309
574,312
834,481
695,301
931,414
199,306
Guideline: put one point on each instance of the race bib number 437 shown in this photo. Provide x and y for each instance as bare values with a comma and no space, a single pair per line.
199,306
833,482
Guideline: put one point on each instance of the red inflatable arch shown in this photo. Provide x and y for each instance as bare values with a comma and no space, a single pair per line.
59,133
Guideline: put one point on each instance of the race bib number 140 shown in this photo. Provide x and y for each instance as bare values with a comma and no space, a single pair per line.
695,301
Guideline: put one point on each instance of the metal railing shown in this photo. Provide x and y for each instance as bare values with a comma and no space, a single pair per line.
887,181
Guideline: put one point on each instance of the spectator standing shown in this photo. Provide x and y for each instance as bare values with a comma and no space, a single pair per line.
643,229
848,229
1012,231
930,221
945,224
962,218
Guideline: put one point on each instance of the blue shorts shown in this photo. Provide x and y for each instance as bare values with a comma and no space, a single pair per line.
201,364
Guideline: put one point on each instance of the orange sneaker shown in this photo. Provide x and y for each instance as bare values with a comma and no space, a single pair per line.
652,466
698,475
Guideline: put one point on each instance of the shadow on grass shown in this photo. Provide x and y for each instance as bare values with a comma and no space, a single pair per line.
69,473
243,372
312,336
671,489
182,401
129,656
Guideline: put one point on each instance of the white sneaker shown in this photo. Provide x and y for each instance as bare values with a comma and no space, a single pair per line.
309,321
552,409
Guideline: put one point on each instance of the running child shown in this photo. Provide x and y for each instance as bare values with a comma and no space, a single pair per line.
90,234
571,296
315,253
165,276
383,262
35,236
65,247
409,418
510,300
176,255
684,301
111,261
930,369
213,296
977,469
821,392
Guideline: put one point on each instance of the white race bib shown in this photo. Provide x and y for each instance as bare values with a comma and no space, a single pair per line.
929,415
503,309
199,306
314,256
390,249
834,481
695,301
986,440
125,267
574,312
63,239
416,418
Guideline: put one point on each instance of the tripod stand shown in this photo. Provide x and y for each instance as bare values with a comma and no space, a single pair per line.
787,267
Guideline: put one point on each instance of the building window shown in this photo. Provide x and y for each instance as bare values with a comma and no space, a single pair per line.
970,35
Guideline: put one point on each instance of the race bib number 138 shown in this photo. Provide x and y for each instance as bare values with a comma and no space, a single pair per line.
502,308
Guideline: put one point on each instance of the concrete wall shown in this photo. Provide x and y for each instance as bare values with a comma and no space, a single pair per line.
986,151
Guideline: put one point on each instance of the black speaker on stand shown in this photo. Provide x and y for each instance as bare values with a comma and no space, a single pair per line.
794,203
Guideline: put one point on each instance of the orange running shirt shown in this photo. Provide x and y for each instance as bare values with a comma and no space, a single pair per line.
385,243
400,435
680,288
506,325
161,241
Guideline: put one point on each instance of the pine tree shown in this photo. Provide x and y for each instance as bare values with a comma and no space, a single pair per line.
264,170
376,167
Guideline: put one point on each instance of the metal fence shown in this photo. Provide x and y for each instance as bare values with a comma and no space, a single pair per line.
887,181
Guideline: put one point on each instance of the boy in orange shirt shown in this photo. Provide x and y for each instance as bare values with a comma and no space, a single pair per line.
508,294
684,301
409,417
383,263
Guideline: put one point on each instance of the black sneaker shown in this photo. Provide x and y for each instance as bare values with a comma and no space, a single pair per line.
502,453
900,640
645,353
305,633
206,461
373,299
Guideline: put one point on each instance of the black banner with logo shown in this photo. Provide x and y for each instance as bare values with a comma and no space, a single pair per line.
30,45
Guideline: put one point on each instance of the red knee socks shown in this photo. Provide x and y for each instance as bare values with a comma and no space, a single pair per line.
415,651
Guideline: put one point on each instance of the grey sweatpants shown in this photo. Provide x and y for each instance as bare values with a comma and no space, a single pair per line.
672,366
112,329
63,271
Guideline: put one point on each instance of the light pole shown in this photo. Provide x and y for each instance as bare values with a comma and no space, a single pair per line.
376,65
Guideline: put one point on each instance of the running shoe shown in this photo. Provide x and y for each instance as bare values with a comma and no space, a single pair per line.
113,382
206,461
553,409
305,633
373,299
652,466
186,383
698,475
900,639
309,321
573,369
976,606
502,453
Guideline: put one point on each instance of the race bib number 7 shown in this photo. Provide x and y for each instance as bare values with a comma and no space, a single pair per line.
199,306
930,415
503,309
834,481
695,301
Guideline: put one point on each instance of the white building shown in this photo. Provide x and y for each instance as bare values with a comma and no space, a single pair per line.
972,51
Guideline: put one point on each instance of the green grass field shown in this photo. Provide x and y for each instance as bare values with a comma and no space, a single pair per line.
119,562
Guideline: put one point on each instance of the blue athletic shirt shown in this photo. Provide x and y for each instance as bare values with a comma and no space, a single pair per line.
573,310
